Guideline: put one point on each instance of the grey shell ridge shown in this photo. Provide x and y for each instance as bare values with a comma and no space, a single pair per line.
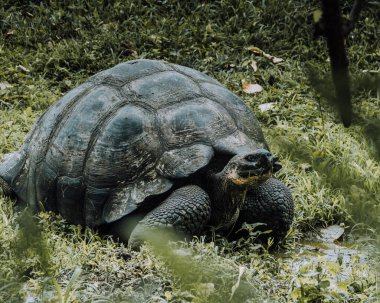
126,134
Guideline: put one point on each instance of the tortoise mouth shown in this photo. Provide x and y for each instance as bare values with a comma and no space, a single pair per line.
254,172
251,177
251,169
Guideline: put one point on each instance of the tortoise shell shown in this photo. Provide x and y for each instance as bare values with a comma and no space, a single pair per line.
129,131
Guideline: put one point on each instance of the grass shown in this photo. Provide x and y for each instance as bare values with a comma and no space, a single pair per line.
48,47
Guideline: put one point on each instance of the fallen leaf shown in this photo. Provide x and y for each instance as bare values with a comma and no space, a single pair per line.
254,65
266,106
250,88
259,51
255,50
245,63
251,63
274,59
10,33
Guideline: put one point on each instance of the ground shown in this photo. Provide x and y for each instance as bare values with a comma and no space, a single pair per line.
47,48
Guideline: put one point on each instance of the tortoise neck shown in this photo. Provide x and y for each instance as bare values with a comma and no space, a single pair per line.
226,199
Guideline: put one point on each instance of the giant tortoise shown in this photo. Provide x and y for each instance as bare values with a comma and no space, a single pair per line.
149,145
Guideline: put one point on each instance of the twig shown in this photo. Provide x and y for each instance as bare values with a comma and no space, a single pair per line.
333,32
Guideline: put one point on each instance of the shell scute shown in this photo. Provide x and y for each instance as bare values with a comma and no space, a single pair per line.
126,148
124,200
161,89
195,121
245,120
43,130
68,147
182,162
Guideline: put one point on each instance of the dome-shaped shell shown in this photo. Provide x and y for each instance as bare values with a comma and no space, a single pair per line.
129,132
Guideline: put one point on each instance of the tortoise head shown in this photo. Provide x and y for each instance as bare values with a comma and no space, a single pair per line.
251,169
230,186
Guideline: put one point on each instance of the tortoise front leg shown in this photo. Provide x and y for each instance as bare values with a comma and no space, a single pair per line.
185,213
270,203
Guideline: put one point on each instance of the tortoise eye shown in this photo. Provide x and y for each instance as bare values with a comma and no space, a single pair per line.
251,158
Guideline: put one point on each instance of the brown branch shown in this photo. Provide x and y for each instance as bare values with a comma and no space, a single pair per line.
333,31
347,24
355,11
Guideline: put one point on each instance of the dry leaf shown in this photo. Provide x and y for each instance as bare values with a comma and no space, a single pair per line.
259,51
245,63
250,88
254,65
255,50
266,106
10,33
274,59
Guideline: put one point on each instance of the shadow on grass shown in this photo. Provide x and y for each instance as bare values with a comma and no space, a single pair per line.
205,276
359,188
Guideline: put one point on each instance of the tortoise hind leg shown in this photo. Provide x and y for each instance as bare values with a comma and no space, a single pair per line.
10,167
184,213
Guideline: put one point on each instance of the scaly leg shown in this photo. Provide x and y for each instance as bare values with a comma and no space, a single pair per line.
185,213
272,204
